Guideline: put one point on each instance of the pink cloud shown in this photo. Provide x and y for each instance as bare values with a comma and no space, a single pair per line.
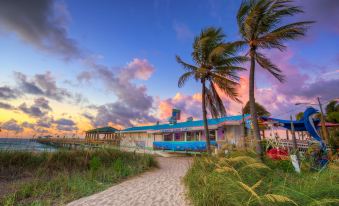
190,105
137,69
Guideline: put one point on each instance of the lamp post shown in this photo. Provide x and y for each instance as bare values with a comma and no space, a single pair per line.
323,127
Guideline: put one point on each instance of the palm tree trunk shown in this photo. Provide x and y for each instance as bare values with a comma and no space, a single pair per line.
253,111
204,115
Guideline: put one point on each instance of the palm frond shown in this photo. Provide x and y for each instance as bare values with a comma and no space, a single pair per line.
186,66
219,104
210,103
275,38
265,63
183,78
228,86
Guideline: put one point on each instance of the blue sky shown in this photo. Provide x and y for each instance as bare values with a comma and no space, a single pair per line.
129,37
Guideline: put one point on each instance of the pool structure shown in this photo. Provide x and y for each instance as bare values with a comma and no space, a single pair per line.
194,146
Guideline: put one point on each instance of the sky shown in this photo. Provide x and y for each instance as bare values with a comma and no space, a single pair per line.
69,66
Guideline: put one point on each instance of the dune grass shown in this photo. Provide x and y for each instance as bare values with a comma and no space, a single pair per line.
60,177
241,179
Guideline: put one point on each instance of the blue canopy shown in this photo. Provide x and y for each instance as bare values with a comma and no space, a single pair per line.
305,124
299,125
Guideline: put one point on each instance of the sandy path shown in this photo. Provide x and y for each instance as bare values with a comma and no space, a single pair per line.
158,187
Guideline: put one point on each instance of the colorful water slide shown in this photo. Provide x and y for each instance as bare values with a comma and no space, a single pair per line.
306,124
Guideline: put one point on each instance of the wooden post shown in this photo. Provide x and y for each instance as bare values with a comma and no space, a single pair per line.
287,135
295,146
185,136
216,134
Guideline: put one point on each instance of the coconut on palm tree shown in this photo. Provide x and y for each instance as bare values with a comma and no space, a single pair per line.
215,67
260,26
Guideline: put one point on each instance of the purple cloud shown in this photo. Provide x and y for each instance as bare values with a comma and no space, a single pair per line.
11,125
65,124
4,105
41,23
39,109
8,93
133,103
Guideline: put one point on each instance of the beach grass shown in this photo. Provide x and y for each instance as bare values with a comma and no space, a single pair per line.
57,178
242,179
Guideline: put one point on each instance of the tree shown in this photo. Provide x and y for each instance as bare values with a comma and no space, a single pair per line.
215,67
261,110
332,106
259,23
299,116
332,111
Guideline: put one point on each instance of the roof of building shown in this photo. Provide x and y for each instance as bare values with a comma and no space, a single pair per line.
187,124
102,130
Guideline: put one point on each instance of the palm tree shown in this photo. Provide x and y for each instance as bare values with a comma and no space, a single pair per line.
259,23
260,109
215,66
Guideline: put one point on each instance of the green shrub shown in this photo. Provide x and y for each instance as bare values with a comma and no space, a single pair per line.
94,164
238,179
62,176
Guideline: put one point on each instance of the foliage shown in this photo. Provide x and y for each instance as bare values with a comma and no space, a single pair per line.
94,164
260,25
238,179
59,177
332,106
261,110
333,117
299,116
333,141
215,67
332,111
215,63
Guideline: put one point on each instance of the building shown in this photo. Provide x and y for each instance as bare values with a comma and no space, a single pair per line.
228,129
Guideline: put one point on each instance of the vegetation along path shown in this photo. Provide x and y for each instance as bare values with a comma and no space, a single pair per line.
161,186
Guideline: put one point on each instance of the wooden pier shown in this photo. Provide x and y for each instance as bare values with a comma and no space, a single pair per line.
99,137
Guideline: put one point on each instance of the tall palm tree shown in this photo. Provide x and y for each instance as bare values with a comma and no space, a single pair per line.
215,66
260,26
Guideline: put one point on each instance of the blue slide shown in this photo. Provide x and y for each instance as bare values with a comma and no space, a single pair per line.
309,125
305,124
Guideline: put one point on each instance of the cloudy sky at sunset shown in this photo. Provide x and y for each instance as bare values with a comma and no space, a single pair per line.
70,65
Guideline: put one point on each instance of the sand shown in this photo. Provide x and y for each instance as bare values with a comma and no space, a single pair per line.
158,187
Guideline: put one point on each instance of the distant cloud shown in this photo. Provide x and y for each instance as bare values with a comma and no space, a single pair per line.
39,109
41,84
11,125
4,105
65,124
8,93
182,31
133,103
45,122
190,106
28,125
41,23
32,111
